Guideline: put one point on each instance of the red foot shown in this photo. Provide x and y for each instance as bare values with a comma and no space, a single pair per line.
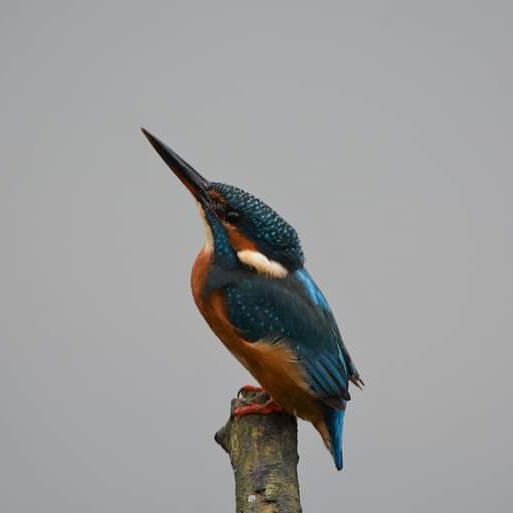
259,409
248,389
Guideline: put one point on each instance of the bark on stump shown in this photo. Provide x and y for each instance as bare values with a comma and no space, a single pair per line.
263,454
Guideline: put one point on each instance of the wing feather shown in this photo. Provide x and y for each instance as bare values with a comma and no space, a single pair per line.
293,310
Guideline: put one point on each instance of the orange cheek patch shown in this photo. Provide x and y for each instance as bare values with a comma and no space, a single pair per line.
237,240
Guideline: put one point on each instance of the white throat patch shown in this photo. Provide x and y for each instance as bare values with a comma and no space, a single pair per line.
262,264
209,238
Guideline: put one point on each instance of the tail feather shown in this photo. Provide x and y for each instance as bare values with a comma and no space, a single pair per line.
334,419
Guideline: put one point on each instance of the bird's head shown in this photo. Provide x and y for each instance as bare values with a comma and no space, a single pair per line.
238,224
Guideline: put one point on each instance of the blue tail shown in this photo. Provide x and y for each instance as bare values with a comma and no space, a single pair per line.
335,423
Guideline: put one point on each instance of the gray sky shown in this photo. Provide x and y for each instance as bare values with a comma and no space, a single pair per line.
381,130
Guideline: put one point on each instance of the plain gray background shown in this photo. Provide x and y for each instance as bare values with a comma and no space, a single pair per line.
381,130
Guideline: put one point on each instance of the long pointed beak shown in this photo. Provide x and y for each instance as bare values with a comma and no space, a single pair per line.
196,183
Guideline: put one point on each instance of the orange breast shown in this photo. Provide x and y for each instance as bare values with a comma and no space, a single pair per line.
272,365
199,274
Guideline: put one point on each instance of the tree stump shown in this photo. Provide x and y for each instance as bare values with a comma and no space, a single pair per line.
263,454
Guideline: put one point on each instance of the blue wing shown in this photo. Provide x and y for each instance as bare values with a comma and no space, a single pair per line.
293,310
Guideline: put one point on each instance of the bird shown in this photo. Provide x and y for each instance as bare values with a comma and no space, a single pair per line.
250,284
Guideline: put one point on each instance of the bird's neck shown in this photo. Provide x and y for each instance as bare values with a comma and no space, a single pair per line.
217,245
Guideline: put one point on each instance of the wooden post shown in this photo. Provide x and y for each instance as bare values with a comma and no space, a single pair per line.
263,454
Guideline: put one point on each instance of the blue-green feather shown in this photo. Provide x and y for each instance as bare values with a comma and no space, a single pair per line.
284,310
334,419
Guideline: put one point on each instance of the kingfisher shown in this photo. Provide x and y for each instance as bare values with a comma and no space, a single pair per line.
250,284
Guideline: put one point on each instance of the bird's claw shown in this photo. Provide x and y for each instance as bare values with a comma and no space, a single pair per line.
267,408
249,389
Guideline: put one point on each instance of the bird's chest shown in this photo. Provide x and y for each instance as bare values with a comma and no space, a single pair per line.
211,305
273,365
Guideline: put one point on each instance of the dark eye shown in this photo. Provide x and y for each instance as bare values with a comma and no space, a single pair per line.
232,216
